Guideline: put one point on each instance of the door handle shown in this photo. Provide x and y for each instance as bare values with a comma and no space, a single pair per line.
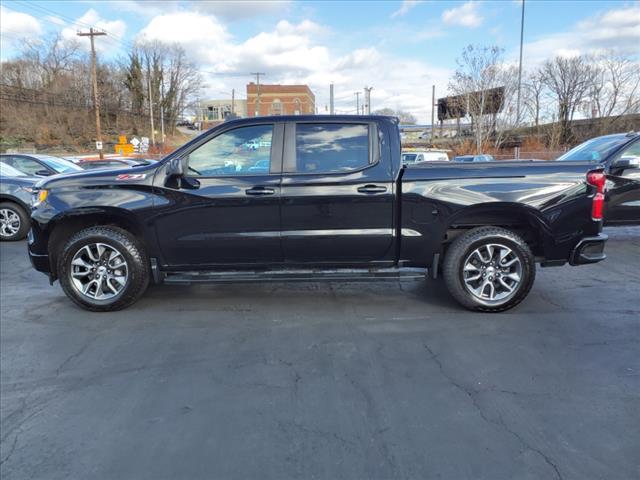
372,189
260,191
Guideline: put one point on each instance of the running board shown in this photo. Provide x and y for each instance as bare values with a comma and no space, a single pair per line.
302,275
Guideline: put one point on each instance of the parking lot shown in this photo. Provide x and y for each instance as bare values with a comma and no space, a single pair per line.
325,380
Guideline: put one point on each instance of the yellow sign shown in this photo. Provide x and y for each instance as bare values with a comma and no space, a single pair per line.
123,148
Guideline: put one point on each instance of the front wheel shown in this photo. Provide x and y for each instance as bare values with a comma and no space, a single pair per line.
103,269
489,269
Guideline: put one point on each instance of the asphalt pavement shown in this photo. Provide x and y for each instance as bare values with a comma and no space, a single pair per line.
324,380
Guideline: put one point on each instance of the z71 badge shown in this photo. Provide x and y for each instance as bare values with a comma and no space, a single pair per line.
132,176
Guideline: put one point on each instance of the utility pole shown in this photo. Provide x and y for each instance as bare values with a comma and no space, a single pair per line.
433,109
357,94
162,109
331,107
367,100
153,135
96,103
257,74
520,67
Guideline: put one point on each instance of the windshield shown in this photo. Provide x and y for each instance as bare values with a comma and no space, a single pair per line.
594,150
409,157
60,165
9,171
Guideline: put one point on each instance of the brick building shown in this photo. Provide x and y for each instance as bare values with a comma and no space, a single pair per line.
280,100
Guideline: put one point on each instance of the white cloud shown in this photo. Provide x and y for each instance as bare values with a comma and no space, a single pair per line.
297,53
405,7
466,15
116,30
15,26
18,24
616,30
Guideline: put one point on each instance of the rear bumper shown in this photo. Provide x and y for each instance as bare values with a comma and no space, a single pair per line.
589,250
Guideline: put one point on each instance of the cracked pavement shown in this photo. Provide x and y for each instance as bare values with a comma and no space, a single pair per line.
328,381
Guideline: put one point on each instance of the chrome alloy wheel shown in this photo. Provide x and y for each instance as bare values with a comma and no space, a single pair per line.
9,223
99,271
492,273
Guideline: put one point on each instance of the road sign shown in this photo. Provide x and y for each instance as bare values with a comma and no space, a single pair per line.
98,145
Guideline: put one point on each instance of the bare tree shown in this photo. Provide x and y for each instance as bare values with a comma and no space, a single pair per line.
533,98
480,70
405,118
615,87
569,80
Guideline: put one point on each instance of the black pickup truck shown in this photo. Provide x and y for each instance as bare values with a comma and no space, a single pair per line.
310,197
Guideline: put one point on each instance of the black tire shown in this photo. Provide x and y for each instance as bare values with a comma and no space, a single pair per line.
138,270
461,251
25,221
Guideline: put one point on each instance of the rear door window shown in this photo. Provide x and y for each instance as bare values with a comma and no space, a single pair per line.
331,147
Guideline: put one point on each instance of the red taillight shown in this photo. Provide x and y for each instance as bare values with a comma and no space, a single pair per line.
598,180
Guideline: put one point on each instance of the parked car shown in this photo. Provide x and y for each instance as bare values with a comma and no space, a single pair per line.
474,158
619,155
424,156
111,164
16,190
336,203
39,165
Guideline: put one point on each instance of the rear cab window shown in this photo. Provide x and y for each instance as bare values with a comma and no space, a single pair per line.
328,148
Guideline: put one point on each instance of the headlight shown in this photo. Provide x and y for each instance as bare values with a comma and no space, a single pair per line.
39,196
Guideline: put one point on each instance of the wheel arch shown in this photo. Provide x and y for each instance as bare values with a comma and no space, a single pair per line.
10,198
65,225
524,220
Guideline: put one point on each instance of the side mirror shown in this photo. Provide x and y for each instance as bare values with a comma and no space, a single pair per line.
175,168
626,163
43,173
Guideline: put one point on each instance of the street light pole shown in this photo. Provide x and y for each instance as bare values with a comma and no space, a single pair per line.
520,67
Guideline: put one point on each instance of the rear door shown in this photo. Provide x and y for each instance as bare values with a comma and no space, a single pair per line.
337,193
226,210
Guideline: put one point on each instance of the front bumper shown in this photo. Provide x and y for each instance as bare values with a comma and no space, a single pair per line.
39,261
589,250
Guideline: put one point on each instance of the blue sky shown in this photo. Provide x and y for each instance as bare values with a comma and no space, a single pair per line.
399,48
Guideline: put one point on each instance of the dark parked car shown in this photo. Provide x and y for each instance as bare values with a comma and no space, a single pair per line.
619,154
474,158
39,165
111,164
16,190
336,202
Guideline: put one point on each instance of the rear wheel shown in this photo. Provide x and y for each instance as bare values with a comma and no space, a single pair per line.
489,269
103,269
14,221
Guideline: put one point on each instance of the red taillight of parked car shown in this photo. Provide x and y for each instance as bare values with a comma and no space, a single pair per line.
598,180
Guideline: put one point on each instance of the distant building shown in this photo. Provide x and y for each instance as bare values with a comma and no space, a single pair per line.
279,100
216,111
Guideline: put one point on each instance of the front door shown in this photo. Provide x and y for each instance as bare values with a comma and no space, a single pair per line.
337,194
227,208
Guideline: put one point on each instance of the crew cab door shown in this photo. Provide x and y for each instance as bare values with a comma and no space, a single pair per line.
225,208
337,193
623,187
